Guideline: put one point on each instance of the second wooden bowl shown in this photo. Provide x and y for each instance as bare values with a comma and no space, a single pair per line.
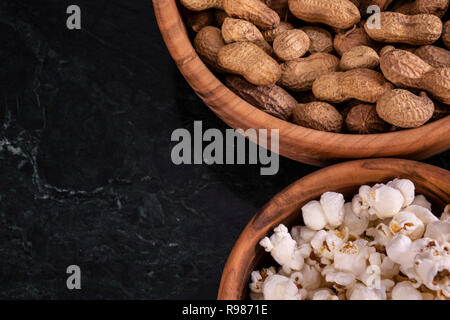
247,255
298,143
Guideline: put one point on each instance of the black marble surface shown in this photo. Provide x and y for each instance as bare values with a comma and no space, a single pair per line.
85,171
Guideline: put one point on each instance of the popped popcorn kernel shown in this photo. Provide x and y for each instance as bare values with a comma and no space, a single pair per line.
333,207
439,230
361,292
324,294
355,223
386,202
405,291
406,188
313,215
424,214
421,201
408,224
277,287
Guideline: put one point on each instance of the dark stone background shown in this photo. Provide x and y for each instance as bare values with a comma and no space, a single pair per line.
85,173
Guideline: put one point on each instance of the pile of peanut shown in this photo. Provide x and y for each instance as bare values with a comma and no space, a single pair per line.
331,65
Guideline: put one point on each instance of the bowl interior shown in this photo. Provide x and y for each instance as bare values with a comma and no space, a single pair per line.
247,254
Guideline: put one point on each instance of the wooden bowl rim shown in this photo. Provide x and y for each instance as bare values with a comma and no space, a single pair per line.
262,223
333,146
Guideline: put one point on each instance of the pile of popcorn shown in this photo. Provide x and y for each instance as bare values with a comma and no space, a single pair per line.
385,244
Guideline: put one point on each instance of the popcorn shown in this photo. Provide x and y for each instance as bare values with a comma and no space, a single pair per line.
381,234
422,213
312,279
302,234
364,196
324,262
388,267
333,242
283,271
333,207
352,257
433,270
277,287
446,247
356,224
284,249
325,244
408,224
370,277
257,281
406,188
385,201
324,294
358,207
259,277
299,280
342,233
439,230
375,259
387,284
398,249
405,291
313,215
329,212
421,201
320,246
423,254
318,241
424,244
342,279
361,292
384,244
309,278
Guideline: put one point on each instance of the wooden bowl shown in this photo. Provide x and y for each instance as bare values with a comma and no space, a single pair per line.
296,142
247,255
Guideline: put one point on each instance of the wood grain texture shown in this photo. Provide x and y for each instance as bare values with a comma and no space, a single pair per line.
346,178
296,142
